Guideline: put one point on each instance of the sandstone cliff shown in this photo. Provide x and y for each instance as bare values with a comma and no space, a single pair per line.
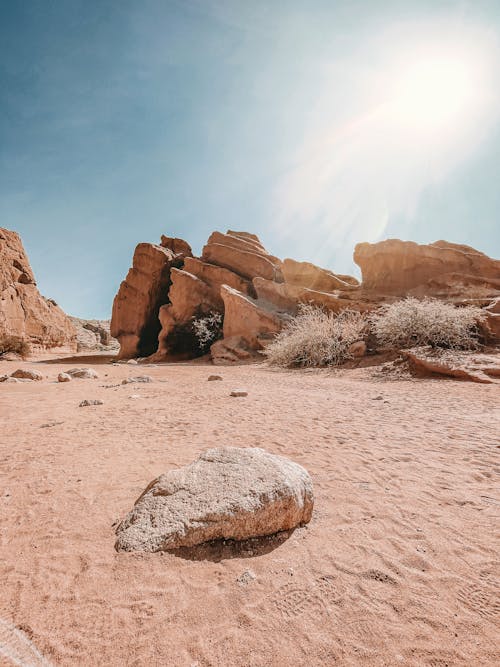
27,319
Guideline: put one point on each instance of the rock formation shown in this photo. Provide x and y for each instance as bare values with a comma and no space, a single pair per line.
254,293
28,321
477,367
94,335
439,269
228,493
134,321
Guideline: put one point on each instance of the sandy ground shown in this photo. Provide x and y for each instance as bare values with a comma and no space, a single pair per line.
399,565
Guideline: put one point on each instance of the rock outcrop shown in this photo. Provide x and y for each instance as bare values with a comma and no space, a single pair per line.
228,493
134,321
254,293
94,335
403,268
28,321
476,367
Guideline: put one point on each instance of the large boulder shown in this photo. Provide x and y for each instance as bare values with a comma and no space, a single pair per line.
228,493
250,319
134,321
245,257
28,321
441,269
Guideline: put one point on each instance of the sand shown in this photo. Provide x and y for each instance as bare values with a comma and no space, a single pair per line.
399,565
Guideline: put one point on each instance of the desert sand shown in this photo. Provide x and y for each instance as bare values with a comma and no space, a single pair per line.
399,565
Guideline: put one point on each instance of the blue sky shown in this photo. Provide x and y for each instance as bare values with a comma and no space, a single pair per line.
120,121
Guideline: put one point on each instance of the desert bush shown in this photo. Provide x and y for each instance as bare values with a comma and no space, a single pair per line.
315,337
411,322
207,330
14,344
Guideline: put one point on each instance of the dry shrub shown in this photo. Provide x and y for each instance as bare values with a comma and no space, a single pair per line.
14,344
411,322
207,330
315,337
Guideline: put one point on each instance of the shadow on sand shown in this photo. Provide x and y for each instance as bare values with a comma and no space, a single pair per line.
219,550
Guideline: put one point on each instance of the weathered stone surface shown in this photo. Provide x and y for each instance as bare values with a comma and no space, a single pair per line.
247,259
357,349
232,350
248,318
404,267
27,374
138,378
473,366
25,315
228,493
64,377
286,297
83,373
134,320
305,274
94,335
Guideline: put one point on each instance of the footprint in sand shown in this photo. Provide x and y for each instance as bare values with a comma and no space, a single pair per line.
18,649
292,601
481,600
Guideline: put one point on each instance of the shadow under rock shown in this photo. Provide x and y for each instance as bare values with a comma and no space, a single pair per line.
219,550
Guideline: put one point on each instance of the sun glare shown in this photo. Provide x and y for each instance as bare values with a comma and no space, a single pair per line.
433,94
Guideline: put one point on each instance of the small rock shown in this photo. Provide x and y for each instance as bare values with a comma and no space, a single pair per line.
64,377
51,424
86,402
246,577
9,380
4,378
83,373
132,361
378,398
138,378
212,378
239,392
134,396
357,349
27,374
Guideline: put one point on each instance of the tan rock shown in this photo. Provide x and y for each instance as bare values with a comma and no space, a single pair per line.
473,366
357,349
231,252
26,317
83,373
305,274
134,320
404,267
232,351
228,493
64,377
286,297
27,374
247,317
93,335
238,393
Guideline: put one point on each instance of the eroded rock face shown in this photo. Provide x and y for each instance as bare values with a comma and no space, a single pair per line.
305,274
134,321
94,335
473,366
228,493
25,315
440,268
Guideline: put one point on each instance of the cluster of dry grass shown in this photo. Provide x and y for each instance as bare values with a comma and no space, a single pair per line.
316,337
14,344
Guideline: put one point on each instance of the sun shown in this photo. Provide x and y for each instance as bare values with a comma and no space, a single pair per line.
439,93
